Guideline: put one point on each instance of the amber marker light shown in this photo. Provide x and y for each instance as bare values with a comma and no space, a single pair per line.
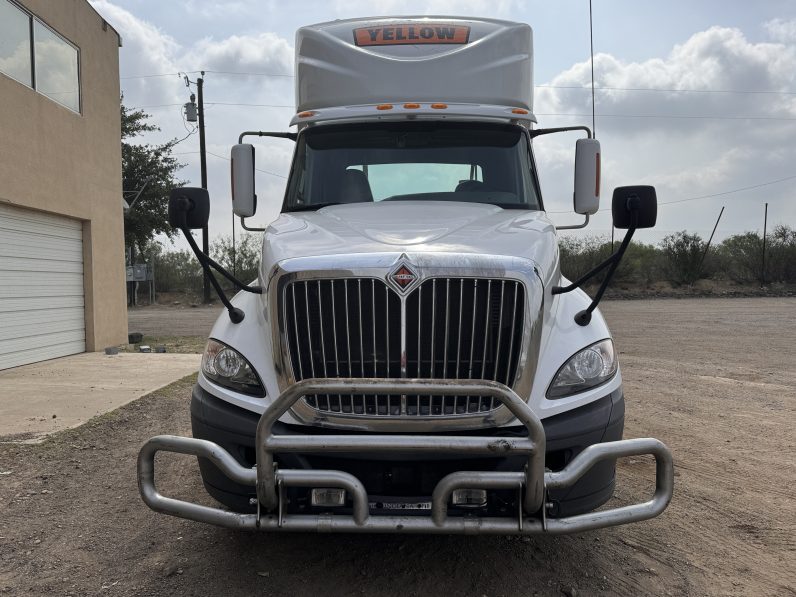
384,107
439,106
411,106
306,114
519,111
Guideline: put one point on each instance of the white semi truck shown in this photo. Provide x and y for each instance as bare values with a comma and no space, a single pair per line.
410,358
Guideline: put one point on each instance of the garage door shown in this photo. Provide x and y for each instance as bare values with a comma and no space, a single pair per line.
42,315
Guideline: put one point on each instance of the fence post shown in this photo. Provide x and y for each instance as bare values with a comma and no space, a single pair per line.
707,246
763,270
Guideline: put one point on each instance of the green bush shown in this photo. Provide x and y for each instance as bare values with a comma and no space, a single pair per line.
677,258
683,254
640,265
740,257
178,271
243,261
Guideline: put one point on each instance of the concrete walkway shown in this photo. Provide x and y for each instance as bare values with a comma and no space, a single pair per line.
42,398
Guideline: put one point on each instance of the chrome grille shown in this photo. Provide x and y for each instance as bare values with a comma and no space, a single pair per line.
453,328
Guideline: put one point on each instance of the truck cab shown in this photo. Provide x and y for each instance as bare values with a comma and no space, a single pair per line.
410,358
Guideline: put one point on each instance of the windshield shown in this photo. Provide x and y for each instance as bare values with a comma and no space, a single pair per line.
412,161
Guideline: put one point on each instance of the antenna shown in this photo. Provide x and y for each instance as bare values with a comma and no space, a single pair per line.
591,44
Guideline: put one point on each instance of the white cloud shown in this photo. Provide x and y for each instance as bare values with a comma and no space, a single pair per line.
148,50
718,59
359,8
781,30
709,149
683,157
265,53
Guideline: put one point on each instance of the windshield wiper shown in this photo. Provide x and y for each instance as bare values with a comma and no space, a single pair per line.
312,206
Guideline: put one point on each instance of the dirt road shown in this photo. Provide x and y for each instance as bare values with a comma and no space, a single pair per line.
714,379
171,321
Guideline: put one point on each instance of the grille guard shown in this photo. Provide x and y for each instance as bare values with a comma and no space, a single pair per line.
533,482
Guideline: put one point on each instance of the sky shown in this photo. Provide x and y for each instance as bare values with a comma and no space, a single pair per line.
696,98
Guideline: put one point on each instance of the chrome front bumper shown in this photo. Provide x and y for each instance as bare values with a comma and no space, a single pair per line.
532,483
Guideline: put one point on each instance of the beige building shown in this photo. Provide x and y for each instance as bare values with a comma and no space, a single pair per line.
62,276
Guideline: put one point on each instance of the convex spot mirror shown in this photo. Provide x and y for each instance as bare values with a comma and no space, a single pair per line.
587,176
244,200
639,199
189,207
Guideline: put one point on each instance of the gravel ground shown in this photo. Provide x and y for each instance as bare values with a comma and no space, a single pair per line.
172,321
714,379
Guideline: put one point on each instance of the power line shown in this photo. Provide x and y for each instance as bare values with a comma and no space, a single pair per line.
258,169
251,105
671,90
755,186
559,114
215,72
215,155
669,116
543,86
720,194
150,106
250,74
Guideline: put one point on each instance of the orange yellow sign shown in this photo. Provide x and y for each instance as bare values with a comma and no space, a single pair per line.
402,34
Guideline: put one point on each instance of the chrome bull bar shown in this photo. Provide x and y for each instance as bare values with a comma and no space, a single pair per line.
533,482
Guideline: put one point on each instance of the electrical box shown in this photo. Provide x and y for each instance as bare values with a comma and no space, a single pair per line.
190,112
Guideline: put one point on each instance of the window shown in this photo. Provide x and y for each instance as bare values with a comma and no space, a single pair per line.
56,67
387,180
46,62
15,58
412,161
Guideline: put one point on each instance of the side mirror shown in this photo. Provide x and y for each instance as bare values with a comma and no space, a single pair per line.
189,207
587,176
639,202
244,200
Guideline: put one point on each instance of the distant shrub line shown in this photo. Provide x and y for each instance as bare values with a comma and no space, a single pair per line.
677,259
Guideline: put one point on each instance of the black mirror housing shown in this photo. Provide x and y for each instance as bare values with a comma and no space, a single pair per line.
639,199
189,207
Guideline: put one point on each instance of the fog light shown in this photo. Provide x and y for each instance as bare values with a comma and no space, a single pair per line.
469,498
327,496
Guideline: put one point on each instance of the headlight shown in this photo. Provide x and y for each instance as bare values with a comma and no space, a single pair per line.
586,369
227,367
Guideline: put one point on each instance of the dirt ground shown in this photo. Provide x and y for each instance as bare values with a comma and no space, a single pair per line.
714,379
172,321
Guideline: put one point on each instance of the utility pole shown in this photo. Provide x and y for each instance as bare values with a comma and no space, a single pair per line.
203,165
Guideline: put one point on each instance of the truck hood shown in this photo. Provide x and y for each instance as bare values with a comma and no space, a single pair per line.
413,226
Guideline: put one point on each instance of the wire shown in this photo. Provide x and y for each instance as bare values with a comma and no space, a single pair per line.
671,90
213,104
755,186
183,139
258,169
251,105
543,86
249,74
561,114
668,116
148,76
720,194
215,72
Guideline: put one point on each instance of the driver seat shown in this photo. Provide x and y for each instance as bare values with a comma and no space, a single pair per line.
355,188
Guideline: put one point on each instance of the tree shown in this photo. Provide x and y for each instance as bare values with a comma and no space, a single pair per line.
153,168
243,259
684,254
